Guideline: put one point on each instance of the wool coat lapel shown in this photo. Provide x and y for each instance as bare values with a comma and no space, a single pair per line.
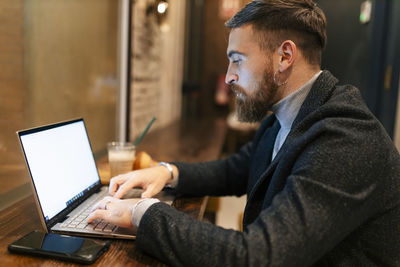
271,181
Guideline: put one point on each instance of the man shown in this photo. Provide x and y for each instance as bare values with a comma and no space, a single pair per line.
321,175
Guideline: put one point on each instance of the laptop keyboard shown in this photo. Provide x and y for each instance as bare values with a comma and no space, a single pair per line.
79,221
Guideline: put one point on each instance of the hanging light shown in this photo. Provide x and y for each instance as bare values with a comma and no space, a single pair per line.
162,7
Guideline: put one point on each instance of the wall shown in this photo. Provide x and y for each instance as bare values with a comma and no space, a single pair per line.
365,54
71,70
157,66
12,93
57,61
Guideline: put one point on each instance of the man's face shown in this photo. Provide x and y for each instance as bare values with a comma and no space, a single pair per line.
250,75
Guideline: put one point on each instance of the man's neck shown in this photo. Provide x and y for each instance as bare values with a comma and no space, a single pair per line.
298,77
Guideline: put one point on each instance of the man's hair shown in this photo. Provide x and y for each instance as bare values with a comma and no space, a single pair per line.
278,20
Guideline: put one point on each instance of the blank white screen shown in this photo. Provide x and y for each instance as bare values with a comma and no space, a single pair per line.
61,164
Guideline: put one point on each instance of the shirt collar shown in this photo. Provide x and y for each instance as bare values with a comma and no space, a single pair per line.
287,109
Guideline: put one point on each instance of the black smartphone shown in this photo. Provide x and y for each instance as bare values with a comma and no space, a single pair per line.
62,247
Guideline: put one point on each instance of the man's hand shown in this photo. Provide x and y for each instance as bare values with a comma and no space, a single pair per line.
152,180
114,210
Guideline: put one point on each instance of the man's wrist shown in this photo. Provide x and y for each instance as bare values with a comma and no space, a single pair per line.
139,209
173,180
169,167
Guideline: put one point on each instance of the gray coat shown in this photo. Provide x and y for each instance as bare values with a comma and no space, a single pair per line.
331,196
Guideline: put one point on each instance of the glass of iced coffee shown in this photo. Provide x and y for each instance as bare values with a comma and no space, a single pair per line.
121,156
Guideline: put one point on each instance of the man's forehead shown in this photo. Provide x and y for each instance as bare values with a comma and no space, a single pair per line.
242,40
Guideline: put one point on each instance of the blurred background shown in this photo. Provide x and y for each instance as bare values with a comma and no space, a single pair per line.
119,63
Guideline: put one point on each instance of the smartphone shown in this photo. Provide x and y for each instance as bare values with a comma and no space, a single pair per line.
62,247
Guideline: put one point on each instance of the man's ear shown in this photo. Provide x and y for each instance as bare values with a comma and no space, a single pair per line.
287,52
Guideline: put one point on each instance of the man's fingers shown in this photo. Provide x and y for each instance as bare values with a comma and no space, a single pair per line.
147,193
115,183
102,204
122,190
128,185
97,215
150,191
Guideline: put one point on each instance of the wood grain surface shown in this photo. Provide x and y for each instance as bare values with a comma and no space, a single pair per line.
190,141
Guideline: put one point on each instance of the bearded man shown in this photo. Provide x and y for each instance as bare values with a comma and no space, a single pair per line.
321,175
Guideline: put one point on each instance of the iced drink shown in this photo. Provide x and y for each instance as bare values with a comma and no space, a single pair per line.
120,157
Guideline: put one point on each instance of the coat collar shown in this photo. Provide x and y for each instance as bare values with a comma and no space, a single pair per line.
320,92
318,95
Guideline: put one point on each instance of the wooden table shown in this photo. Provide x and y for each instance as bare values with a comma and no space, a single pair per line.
194,141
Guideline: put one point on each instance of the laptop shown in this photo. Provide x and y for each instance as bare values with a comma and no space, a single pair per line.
65,181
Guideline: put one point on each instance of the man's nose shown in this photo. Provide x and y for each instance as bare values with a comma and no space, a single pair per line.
231,78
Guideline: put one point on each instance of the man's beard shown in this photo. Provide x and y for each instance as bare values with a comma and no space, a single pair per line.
254,107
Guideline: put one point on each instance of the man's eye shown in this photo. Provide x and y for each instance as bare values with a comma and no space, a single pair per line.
237,61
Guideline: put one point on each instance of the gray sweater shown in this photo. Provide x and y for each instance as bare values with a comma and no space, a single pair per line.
330,197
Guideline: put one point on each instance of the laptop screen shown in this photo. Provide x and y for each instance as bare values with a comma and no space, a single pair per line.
61,163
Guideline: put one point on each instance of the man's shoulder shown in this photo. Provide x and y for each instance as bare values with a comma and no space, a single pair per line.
333,91
329,98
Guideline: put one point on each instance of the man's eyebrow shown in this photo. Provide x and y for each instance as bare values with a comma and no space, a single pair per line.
234,52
